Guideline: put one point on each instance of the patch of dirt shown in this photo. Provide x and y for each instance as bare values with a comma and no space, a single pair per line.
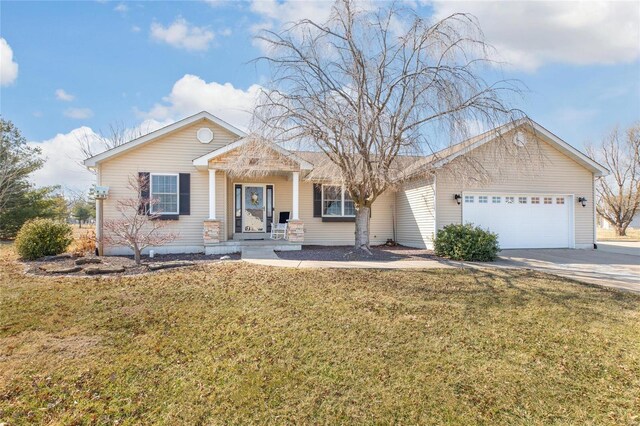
130,268
346,253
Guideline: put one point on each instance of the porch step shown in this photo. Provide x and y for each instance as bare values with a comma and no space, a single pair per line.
251,236
233,246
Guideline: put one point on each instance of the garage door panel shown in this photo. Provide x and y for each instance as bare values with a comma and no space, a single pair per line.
521,224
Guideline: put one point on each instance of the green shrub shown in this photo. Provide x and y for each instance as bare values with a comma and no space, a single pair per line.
466,242
43,237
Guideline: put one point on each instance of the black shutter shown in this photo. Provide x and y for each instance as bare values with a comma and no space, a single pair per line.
185,193
145,178
317,200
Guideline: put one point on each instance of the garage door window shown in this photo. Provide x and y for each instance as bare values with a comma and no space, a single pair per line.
535,200
483,199
496,200
522,200
560,200
468,198
508,200
548,200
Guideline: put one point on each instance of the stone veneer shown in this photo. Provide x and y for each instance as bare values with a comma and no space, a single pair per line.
295,231
211,231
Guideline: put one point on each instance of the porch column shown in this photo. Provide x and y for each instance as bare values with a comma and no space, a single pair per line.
212,194
296,177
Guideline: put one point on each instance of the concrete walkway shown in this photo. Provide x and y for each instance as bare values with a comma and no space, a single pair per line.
398,264
253,254
620,271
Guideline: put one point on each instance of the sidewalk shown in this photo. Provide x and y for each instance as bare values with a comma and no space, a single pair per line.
271,259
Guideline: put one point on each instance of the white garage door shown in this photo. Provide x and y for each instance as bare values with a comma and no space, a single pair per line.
522,221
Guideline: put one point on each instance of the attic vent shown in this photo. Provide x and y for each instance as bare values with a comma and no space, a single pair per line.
204,135
520,139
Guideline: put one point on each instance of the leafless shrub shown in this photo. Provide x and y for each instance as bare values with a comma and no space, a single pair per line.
137,228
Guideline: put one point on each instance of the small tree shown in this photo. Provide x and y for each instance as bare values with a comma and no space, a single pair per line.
81,212
619,193
137,228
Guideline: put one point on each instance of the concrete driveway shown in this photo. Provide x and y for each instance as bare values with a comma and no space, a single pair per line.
604,267
622,247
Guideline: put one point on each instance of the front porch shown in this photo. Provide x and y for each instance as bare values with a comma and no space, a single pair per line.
245,202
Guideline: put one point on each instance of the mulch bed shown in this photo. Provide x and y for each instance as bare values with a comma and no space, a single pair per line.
346,253
116,263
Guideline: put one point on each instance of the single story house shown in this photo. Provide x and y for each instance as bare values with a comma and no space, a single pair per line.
543,199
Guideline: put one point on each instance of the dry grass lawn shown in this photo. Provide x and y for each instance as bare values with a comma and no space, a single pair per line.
238,344
610,235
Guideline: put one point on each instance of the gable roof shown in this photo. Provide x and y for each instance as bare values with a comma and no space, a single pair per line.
204,115
203,161
442,157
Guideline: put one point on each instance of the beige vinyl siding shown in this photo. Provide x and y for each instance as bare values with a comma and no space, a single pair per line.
416,214
172,153
545,171
343,233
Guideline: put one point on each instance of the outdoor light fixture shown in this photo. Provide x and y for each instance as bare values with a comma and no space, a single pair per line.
583,201
458,198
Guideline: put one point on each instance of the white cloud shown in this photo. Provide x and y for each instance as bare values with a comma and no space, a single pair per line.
529,34
78,113
225,32
62,165
8,67
291,10
122,8
136,29
61,95
182,35
191,94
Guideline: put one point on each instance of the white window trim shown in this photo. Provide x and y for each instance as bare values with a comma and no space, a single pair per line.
177,175
342,192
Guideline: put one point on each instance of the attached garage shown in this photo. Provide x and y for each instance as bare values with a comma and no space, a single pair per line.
522,220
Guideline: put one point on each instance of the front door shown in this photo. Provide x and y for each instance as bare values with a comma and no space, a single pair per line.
254,211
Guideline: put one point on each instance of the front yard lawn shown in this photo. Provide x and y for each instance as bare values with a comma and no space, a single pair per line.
238,343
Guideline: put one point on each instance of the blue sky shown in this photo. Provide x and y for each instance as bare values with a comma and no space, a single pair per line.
75,67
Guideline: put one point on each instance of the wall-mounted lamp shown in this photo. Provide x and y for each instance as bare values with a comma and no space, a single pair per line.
458,198
582,201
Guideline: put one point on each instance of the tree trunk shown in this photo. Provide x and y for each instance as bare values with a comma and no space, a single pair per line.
362,228
136,255
621,231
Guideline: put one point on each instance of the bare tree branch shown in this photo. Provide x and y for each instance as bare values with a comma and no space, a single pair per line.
137,228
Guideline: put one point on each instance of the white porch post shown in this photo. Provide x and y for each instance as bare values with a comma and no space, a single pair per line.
212,194
296,177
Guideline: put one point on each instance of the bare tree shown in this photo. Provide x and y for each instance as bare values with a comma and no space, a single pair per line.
619,193
137,228
117,133
370,87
